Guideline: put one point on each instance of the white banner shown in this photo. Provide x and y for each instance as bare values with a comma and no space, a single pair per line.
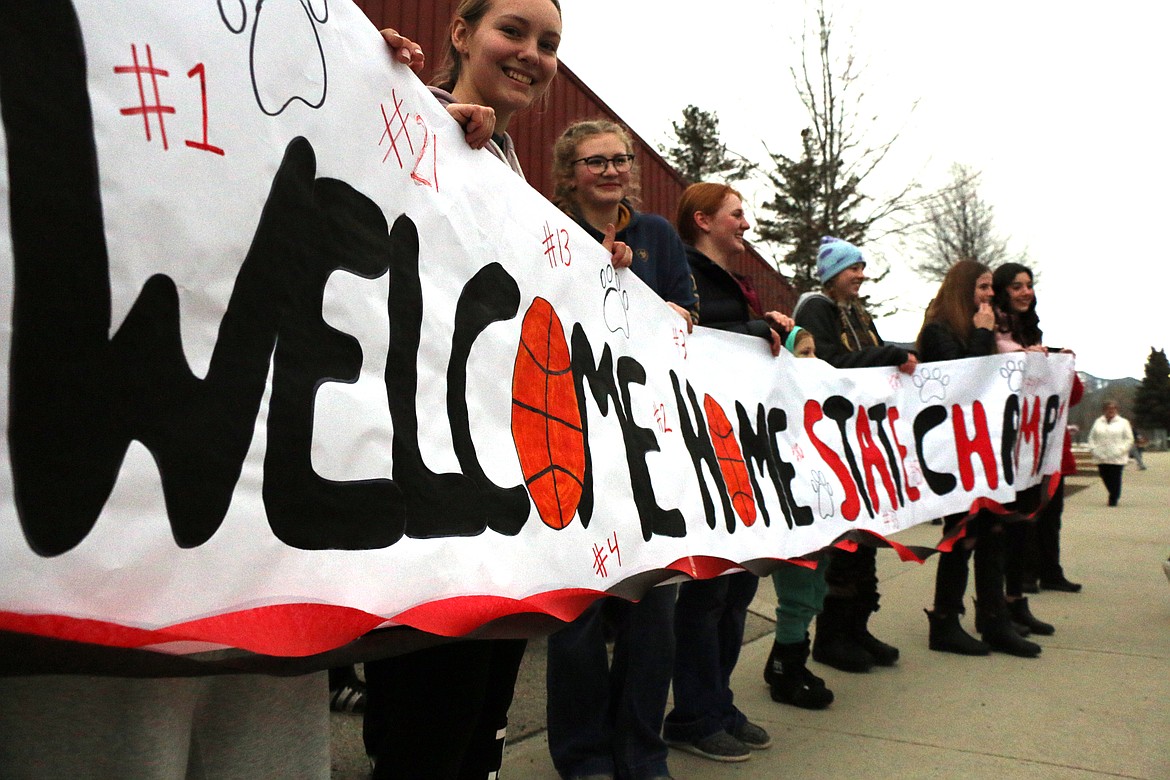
286,361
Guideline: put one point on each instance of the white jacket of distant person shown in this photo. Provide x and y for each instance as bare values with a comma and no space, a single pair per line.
1111,440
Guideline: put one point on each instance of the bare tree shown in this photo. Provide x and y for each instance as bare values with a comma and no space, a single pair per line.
958,224
821,192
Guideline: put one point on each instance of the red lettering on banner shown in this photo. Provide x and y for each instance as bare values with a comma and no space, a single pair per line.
203,145
150,101
979,444
851,506
146,109
414,174
912,492
601,556
395,128
556,246
872,458
1030,431
680,342
660,418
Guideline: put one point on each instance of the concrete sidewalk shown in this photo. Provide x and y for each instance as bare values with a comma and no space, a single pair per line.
1096,703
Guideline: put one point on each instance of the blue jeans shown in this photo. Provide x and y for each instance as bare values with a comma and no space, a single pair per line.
603,718
708,630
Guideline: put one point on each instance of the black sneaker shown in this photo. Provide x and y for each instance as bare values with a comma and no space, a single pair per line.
1061,584
719,746
349,699
752,735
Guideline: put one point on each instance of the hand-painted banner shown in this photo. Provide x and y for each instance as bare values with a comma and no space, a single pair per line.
285,362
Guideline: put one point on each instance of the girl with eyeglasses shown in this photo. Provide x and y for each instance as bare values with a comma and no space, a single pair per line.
596,183
605,720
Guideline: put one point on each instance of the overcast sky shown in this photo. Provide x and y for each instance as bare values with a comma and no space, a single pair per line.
1060,106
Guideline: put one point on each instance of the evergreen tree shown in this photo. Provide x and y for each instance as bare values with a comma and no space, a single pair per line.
1152,402
698,154
820,192
811,200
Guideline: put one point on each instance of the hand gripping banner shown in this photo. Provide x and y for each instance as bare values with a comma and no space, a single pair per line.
286,362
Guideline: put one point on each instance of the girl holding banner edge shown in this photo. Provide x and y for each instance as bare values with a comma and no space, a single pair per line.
604,719
710,614
846,338
442,712
960,323
1018,329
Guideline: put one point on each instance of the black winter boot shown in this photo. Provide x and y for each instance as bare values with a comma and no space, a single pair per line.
1020,613
947,635
883,654
996,627
836,642
790,680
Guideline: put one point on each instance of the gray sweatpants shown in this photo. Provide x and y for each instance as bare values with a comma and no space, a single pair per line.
204,728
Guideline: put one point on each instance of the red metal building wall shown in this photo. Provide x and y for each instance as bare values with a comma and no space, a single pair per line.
535,130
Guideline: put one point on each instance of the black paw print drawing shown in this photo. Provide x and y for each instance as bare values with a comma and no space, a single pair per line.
931,383
615,304
824,493
1013,372
285,53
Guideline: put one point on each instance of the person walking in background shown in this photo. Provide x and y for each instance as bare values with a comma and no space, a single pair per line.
605,719
1140,442
710,614
960,323
1110,439
846,338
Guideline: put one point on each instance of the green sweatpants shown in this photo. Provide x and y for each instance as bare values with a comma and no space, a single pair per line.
800,595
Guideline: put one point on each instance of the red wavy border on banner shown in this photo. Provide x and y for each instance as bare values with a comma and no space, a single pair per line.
298,630
291,630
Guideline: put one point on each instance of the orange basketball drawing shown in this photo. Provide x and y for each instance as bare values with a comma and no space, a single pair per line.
731,462
546,422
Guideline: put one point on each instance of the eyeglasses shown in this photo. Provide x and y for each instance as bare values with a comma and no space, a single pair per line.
597,164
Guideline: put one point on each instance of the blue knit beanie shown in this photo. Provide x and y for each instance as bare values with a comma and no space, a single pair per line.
835,256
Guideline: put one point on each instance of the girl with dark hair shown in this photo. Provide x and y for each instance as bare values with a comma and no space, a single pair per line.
1017,324
960,323
1035,555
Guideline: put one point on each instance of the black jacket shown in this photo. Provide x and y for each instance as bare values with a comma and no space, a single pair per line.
937,342
819,315
722,303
